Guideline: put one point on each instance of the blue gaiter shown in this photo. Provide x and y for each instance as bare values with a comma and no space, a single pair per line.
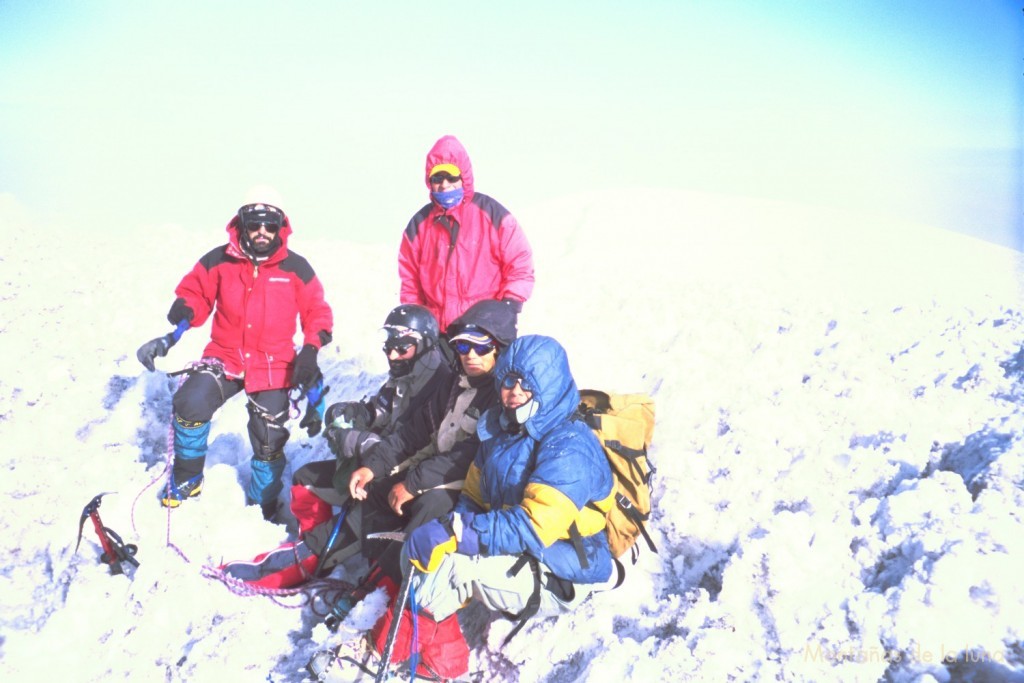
265,485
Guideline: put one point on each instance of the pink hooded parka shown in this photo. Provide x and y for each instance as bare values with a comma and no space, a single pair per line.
450,259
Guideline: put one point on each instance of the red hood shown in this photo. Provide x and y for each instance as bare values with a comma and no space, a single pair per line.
448,150
235,249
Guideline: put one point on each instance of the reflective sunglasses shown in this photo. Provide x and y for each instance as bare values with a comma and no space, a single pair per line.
439,178
463,347
400,344
511,380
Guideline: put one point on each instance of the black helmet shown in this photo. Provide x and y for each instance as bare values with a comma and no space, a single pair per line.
496,319
251,217
413,320
404,323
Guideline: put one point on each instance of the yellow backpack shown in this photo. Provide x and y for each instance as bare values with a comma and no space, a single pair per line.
624,424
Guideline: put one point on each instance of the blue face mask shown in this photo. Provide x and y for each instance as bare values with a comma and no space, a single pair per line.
448,199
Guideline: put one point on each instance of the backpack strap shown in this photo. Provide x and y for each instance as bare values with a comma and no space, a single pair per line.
638,519
631,455
593,420
533,604
576,538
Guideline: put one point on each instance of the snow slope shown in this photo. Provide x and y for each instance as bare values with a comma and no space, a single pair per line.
840,467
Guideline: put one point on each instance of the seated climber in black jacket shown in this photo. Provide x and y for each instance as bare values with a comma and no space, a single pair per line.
412,475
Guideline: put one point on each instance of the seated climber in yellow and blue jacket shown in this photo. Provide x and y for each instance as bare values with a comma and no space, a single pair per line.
524,504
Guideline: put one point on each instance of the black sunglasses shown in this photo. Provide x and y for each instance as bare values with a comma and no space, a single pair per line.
512,379
253,226
439,178
269,217
401,345
463,347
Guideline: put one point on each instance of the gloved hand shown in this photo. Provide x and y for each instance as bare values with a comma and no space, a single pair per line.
179,311
313,420
352,413
514,304
350,443
427,545
153,348
468,539
304,369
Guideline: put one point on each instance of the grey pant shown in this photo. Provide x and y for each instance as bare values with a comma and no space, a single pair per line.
460,578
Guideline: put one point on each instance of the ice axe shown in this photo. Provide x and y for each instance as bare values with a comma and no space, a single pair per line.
115,551
159,346
399,608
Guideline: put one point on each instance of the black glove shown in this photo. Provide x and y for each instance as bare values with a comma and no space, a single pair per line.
305,370
352,413
153,348
350,443
179,311
515,305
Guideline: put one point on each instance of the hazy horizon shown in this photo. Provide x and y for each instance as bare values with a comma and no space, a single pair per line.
125,115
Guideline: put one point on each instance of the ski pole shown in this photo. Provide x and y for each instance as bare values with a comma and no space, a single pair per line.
179,330
334,536
399,609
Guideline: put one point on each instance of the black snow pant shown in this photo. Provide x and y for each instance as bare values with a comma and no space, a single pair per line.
373,515
202,395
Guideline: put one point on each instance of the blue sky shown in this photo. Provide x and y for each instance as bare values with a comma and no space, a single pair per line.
128,114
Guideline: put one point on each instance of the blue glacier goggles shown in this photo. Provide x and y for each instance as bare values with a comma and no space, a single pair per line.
464,347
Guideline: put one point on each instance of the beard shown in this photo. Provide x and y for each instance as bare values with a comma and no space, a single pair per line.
259,246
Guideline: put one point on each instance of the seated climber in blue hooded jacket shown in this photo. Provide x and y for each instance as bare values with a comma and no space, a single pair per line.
522,539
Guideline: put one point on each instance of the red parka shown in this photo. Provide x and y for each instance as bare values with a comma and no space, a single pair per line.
450,259
254,308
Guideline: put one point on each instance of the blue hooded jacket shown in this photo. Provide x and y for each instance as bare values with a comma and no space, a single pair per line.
529,483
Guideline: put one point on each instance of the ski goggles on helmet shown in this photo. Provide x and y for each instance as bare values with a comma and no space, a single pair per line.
400,339
463,347
510,381
439,178
254,216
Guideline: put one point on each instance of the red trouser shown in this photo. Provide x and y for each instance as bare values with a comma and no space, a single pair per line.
442,647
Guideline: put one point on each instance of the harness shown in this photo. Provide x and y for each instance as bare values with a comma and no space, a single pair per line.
207,366
272,421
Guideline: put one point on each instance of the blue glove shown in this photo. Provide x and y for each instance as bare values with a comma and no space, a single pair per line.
427,545
313,420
